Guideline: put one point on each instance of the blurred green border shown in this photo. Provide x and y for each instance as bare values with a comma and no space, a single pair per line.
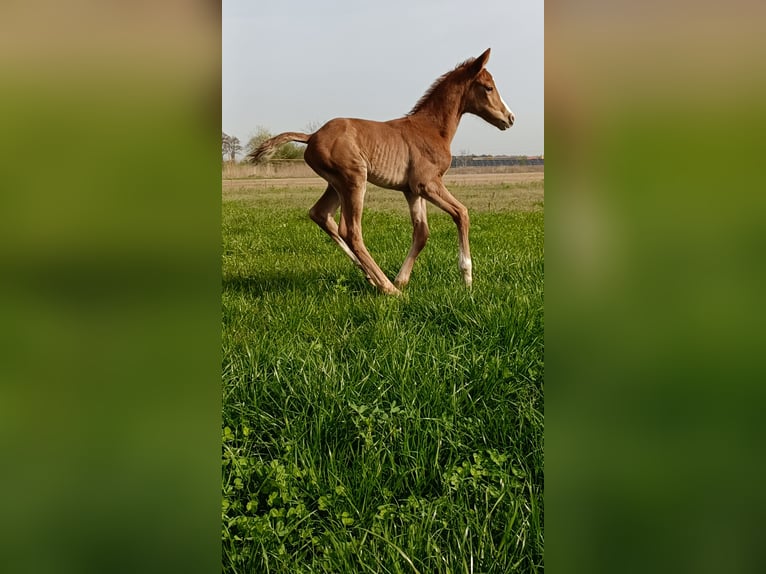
654,288
110,289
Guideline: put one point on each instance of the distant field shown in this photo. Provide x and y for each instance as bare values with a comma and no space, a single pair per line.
298,168
484,191
365,433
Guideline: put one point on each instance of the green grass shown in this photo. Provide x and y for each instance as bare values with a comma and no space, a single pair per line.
365,433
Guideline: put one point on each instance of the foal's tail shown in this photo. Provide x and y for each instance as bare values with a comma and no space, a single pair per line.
267,148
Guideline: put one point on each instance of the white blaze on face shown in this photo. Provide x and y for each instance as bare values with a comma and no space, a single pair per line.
507,109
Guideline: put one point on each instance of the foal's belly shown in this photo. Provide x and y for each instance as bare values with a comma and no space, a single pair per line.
388,181
388,168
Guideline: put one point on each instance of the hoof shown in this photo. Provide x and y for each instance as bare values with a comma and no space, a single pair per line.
392,291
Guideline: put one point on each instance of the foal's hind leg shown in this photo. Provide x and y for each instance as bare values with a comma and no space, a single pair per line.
419,236
352,201
323,214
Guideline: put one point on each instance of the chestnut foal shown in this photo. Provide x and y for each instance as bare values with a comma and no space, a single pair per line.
409,154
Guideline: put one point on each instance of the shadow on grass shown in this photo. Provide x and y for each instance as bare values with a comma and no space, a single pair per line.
314,282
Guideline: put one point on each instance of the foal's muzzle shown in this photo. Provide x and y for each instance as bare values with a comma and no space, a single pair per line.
507,121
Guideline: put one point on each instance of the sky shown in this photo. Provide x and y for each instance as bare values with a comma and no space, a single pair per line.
291,66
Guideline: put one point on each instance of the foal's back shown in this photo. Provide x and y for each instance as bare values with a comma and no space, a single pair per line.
380,152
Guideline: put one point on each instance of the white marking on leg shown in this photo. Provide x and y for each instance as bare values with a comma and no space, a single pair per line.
466,267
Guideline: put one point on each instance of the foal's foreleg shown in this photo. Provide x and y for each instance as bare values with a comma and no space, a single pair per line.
437,193
419,236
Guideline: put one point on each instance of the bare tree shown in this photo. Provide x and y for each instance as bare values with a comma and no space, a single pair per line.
225,145
234,148
230,146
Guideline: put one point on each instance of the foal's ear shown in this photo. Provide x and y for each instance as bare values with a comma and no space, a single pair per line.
478,64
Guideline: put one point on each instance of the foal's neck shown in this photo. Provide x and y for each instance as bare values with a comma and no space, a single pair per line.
443,110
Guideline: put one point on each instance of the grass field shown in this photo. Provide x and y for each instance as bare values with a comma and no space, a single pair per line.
365,433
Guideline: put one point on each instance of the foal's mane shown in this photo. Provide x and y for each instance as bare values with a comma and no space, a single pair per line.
439,83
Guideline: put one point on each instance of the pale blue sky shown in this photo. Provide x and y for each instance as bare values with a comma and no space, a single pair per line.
289,64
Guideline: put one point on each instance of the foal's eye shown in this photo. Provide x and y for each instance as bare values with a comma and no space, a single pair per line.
488,88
